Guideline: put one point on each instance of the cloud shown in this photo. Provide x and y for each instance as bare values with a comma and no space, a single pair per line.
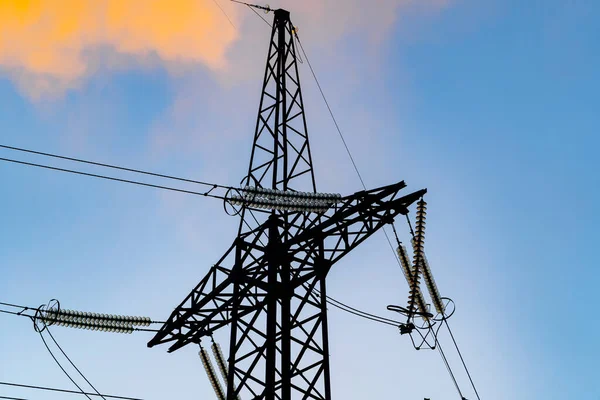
323,28
48,46
374,19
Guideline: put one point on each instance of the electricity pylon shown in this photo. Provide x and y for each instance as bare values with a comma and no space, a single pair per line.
263,286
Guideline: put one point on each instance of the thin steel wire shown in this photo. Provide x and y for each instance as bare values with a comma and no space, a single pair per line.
439,346
387,237
99,164
363,316
24,308
11,312
260,16
206,194
267,9
331,113
12,305
64,390
462,359
224,13
335,303
61,367
73,364
364,186
437,343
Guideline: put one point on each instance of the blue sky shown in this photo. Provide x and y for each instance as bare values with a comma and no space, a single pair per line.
490,105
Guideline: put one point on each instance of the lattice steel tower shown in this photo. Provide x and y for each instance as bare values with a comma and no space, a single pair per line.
269,287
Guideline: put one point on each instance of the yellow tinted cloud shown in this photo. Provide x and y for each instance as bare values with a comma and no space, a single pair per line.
45,44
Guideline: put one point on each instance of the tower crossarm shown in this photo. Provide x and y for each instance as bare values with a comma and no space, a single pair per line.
210,304
359,216
208,307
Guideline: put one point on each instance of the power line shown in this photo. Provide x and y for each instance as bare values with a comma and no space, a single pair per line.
224,13
61,367
370,316
99,164
24,308
12,398
12,305
64,391
342,137
376,319
331,112
10,312
206,194
462,359
347,308
267,8
386,321
19,313
73,364
252,7
382,320
439,346
260,16
32,317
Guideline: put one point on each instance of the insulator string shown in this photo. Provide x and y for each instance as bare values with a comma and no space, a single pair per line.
210,371
418,253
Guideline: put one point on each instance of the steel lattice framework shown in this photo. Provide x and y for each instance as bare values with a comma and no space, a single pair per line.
263,286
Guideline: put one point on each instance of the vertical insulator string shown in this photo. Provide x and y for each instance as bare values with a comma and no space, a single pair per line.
210,372
221,363
418,247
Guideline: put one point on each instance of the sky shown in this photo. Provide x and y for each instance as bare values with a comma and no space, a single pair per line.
490,105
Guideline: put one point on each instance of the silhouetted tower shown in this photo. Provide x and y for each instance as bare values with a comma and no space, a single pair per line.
290,235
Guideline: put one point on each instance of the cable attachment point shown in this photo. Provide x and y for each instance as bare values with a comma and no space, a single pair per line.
266,8
210,372
406,328
46,315
448,309
408,313
426,332
231,206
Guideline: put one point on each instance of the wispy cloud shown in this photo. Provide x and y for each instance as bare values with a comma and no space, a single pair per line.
322,26
47,46
50,46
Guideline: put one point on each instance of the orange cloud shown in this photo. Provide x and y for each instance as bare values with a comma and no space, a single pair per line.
45,44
